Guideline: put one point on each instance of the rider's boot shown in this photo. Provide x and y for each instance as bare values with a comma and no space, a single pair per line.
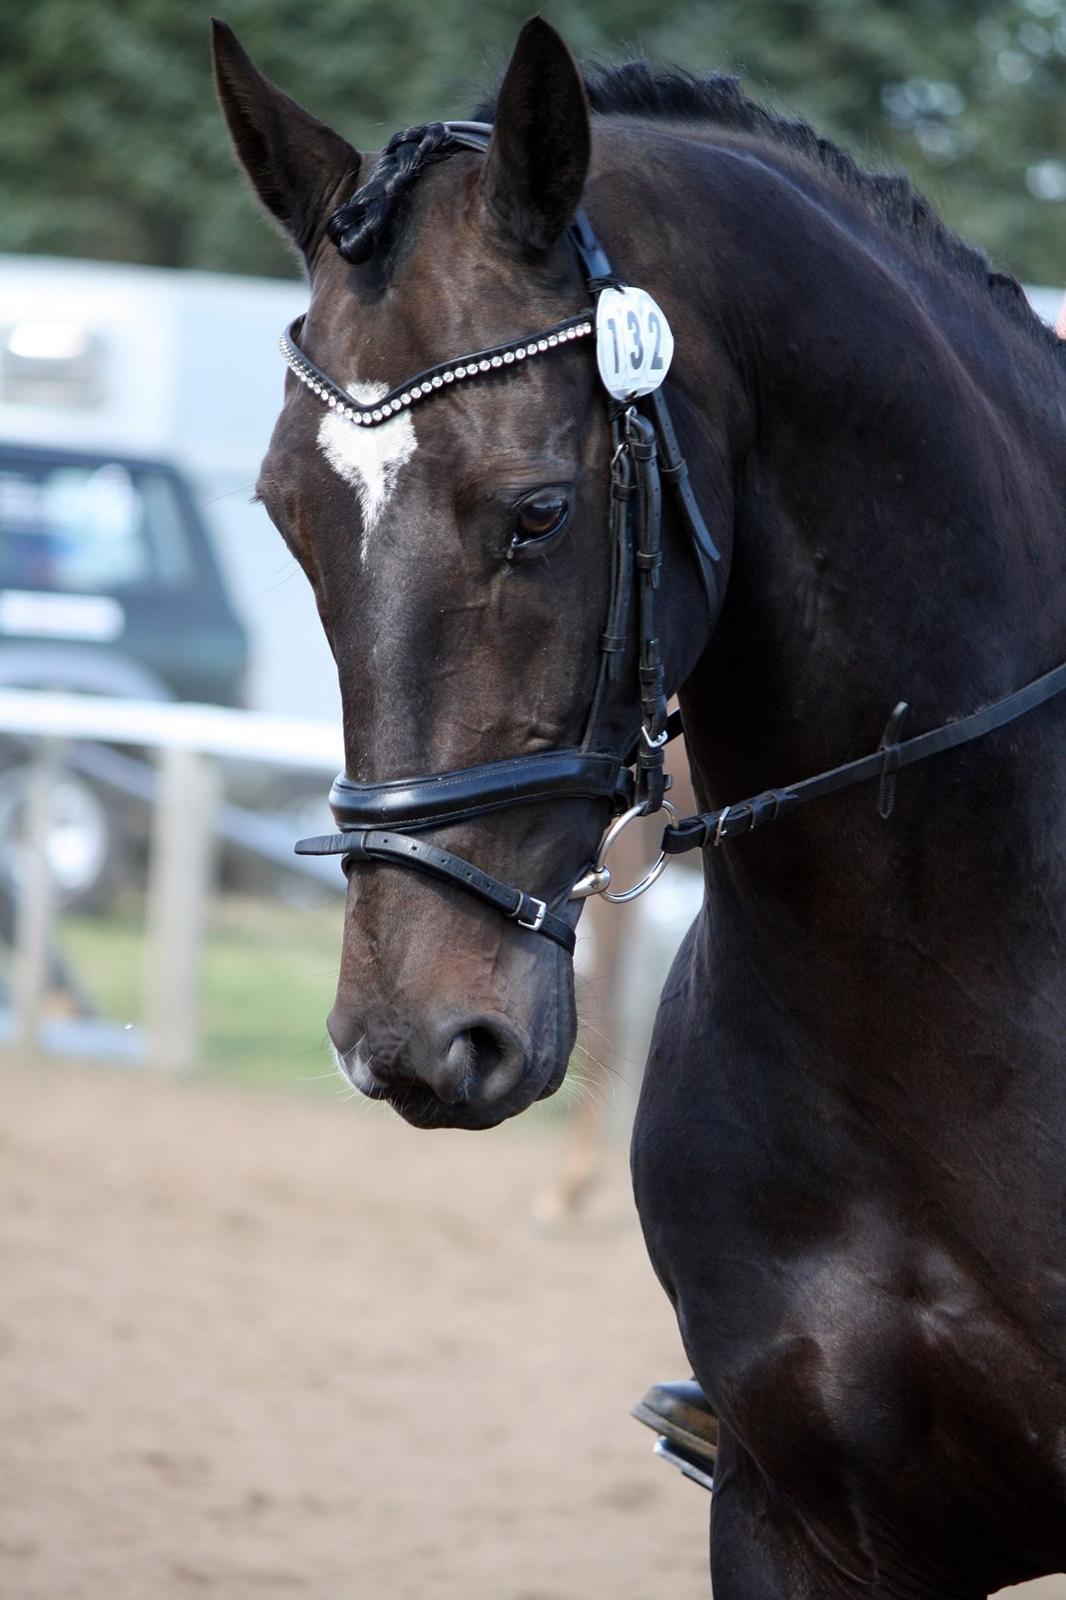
681,1413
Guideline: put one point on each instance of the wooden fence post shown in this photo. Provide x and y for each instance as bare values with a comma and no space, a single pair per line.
179,882
34,889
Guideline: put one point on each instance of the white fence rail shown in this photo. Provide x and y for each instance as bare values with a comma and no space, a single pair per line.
208,730
187,743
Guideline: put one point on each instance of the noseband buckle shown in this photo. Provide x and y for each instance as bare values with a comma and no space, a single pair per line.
536,921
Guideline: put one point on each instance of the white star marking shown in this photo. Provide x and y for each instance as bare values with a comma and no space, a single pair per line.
369,459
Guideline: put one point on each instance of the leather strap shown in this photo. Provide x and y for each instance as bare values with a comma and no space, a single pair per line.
428,802
675,471
401,849
691,833
642,442
590,252
616,635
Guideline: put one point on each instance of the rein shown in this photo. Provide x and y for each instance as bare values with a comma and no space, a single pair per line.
381,821
744,816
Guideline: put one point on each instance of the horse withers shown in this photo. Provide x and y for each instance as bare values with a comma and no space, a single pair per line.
849,1151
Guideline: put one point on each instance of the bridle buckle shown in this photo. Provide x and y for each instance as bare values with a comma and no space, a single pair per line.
536,922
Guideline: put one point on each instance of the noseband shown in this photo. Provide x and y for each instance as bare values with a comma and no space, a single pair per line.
383,821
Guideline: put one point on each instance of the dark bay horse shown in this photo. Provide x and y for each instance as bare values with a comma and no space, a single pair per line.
850,1156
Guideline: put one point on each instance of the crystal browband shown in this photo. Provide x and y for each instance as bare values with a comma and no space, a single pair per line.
434,379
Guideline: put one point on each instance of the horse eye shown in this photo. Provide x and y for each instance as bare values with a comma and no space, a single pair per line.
538,517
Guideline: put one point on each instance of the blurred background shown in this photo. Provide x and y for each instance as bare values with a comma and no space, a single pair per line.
251,1340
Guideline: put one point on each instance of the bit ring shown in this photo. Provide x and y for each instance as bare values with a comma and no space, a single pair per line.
597,880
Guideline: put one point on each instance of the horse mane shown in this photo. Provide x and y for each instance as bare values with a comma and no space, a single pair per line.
369,220
635,89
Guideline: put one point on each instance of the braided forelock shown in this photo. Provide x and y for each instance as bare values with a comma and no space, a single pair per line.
358,227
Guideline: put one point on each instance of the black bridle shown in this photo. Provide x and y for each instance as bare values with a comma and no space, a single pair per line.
383,821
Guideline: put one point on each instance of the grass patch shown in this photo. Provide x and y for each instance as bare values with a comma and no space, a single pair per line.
269,973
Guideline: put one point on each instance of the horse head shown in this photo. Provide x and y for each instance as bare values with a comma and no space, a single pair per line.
462,560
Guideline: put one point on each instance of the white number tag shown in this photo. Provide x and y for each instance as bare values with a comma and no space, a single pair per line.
634,345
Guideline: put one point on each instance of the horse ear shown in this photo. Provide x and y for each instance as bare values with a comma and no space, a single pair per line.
539,155
296,164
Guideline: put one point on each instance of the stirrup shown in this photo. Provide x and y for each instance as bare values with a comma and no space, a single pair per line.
686,1425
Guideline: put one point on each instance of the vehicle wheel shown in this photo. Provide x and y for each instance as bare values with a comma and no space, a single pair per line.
85,840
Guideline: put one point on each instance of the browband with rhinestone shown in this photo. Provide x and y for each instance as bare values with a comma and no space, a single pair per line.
427,383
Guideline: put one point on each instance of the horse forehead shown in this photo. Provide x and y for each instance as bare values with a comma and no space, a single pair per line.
368,460
428,316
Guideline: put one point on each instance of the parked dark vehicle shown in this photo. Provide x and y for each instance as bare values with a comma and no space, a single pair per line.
108,585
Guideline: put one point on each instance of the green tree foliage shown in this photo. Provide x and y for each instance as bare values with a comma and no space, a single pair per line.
112,147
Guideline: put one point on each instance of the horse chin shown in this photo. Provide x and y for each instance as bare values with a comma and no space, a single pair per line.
418,1105
446,1055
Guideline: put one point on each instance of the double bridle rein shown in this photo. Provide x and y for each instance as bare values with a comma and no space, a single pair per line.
384,821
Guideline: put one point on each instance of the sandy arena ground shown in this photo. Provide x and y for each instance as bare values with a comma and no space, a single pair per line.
258,1346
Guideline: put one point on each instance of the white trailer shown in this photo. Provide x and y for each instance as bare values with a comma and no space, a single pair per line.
184,367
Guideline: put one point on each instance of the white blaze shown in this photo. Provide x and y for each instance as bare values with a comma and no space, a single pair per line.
369,459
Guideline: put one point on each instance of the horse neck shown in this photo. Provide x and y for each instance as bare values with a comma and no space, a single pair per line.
897,535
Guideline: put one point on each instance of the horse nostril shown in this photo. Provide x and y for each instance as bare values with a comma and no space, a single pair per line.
469,1061
472,1056
487,1048
454,1083
485,1059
